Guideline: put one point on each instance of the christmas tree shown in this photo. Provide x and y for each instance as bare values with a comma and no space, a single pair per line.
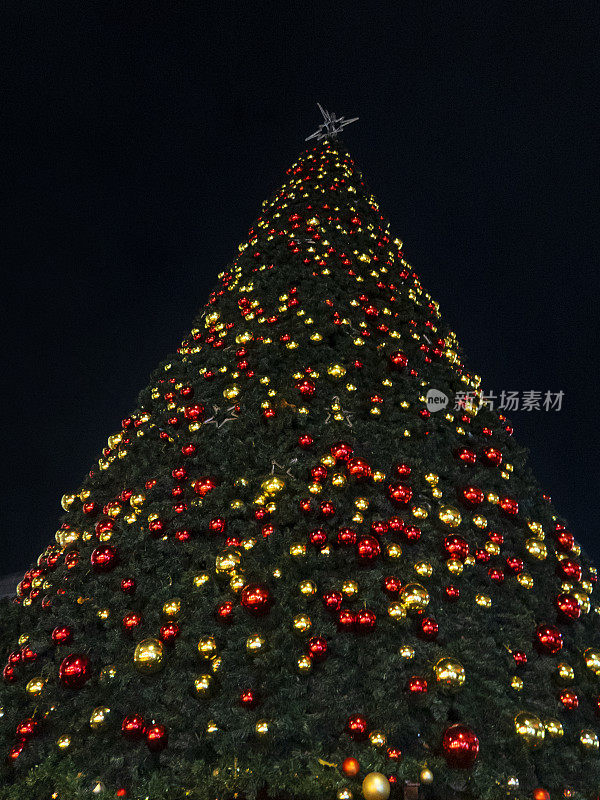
311,564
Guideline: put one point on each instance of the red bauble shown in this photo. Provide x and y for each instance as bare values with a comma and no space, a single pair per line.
379,527
248,698
465,455
350,767
346,619
332,601
568,607
417,685
62,634
317,648
133,727
509,506
397,361
492,456
452,592
346,537
224,611
402,469
327,509
365,621
203,485
520,658
157,738
305,387
27,728
104,558
128,585
460,746
548,639
568,568
15,751
541,794
456,547
412,533
400,493
305,440
429,629
392,585
359,469
341,451
565,540
515,565
470,496
256,599
368,548
169,632
358,728
569,699
74,670
496,575
318,472
131,621
318,537
394,753
217,525
194,412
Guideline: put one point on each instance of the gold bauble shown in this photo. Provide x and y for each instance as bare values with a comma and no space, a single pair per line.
203,685
554,728
450,516
149,656
207,648
536,548
255,644
407,652
516,683
393,550
64,741
530,728
307,588
344,794
172,608
302,623
583,601
396,611
449,673
262,727
525,579
99,718
592,660
589,740
304,664
228,562
564,673
414,597
67,501
426,776
201,579
376,786
377,738
272,485
455,566
108,674
423,569
35,686
336,371
349,588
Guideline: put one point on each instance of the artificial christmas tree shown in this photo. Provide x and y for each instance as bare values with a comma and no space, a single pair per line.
294,572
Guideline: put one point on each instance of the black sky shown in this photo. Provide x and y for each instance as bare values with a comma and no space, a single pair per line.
140,140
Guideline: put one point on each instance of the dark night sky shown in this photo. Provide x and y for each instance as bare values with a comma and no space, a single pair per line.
141,138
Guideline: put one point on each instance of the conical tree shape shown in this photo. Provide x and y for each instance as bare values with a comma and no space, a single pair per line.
285,559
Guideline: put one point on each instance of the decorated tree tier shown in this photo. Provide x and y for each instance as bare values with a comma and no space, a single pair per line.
293,573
